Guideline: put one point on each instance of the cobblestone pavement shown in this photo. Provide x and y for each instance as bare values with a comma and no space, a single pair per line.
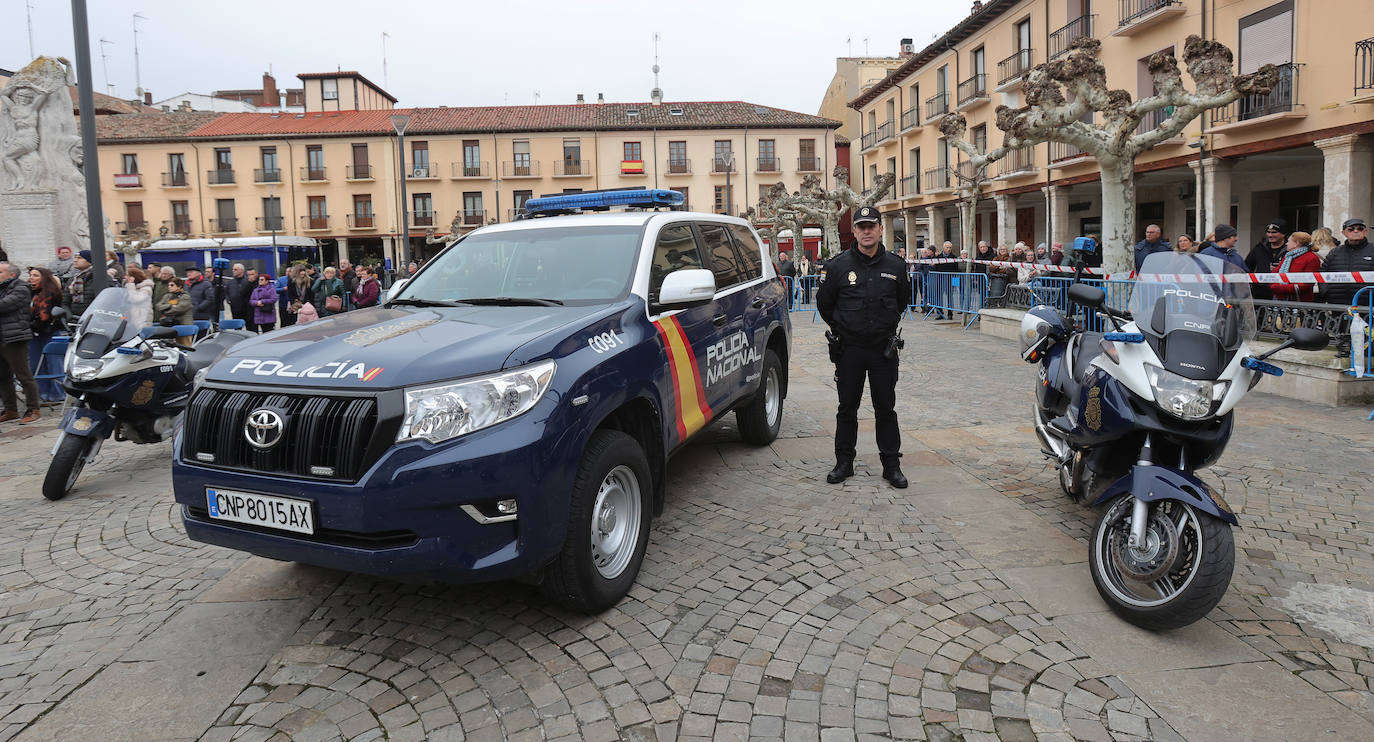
770,606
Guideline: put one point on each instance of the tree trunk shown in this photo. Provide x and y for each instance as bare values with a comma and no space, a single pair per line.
968,216
831,236
1118,214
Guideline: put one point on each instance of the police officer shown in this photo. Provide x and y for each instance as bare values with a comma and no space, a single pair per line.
863,293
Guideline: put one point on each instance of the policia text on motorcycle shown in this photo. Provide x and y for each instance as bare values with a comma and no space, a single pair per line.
862,296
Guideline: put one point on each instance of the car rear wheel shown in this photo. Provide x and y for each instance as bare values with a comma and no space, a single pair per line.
608,526
760,419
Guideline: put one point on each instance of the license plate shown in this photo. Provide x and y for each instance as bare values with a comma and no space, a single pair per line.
269,511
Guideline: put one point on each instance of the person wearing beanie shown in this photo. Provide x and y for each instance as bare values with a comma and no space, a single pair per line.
1224,247
1266,255
80,290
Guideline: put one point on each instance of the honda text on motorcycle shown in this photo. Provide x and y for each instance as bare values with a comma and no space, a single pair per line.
130,382
1129,416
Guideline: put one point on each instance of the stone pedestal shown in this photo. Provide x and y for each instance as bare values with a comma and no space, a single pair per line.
29,222
1214,195
1347,161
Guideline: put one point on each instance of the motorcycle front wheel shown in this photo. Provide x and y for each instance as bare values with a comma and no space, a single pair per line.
1175,578
66,466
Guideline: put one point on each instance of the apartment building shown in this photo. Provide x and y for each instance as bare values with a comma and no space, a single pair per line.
853,75
335,175
1303,152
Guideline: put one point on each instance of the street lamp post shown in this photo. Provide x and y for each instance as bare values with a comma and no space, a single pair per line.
729,163
272,220
399,122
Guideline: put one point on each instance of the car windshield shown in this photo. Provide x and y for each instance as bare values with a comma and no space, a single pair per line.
1197,293
567,265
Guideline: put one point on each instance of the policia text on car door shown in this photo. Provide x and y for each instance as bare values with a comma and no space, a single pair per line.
862,296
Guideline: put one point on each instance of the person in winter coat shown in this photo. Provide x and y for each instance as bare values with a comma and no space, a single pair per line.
176,307
79,292
299,292
369,289
202,293
237,289
140,290
15,330
327,286
1223,247
1356,254
306,313
163,276
1264,257
264,303
1154,242
47,294
1299,258
62,267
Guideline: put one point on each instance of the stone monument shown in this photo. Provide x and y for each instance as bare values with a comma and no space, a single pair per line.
42,187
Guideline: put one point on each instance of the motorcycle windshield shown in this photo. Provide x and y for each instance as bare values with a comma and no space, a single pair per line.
1194,310
104,324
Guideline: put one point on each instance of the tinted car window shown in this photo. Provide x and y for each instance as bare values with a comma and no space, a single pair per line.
749,252
675,249
725,262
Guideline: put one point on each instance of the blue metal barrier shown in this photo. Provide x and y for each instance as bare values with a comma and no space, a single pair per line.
1363,304
1054,291
918,291
956,292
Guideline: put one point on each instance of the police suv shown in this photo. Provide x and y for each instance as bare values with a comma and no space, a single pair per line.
508,411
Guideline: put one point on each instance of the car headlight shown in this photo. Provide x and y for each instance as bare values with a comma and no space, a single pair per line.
85,369
1186,399
438,413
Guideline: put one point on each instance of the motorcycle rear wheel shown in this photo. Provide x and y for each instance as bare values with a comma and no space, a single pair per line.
66,466
1185,591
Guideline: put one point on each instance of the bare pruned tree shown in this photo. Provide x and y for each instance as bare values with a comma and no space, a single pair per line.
813,204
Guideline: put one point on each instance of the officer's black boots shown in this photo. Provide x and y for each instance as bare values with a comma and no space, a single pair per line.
843,470
893,474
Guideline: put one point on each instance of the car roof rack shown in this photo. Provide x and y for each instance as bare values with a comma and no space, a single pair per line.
631,198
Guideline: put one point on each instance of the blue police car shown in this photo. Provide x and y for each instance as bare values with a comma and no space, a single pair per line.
507,413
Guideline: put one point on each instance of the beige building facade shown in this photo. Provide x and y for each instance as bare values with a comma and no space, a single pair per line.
1303,152
853,75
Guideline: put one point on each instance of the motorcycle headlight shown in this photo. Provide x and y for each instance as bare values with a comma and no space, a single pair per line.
85,369
438,413
1186,399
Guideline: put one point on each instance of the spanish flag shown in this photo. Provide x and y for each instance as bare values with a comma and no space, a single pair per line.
689,397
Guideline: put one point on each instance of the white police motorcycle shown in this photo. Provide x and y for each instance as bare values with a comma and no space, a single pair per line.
1129,417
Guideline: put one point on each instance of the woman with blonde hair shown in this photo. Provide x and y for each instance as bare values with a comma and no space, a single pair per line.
1323,241
1299,258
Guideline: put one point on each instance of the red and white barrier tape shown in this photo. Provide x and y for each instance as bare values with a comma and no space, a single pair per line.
1284,278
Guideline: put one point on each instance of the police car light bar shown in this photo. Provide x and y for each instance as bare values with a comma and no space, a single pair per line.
644,198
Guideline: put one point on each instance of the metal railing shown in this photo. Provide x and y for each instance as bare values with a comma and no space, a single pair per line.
177,226
219,177
422,218
965,170
938,179
1015,66
1134,10
267,175
887,130
175,179
1062,151
315,222
973,88
1020,160
358,172
1154,119
1364,66
474,217
127,227
520,169
312,174
910,186
1361,359
966,293
719,165
571,168
362,221
911,117
270,223
937,105
868,140
1281,99
769,165
808,164
1075,29
467,169
224,224
420,171
679,167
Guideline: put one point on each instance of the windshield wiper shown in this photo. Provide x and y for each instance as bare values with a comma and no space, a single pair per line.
417,302
514,301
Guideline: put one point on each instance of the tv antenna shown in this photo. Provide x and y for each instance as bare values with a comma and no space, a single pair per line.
138,75
657,91
104,65
865,46
385,36
28,12
849,46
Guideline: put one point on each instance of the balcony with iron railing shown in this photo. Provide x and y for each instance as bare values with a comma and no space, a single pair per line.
1364,71
1154,119
474,217
1281,102
128,180
267,175
721,165
885,131
471,169
362,221
520,169
314,222
421,171
973,90
768,165
270,223
866,141
358,172
224,225
1020,161
911,117
126,228
938,179
1061,152
176,179
808,164
909,186
219,176
678,167
1011,70
313,174
1137,15
937,105
180,226
1078,28
422,218
572,168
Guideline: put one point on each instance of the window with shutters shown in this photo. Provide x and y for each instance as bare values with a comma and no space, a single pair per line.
1266,37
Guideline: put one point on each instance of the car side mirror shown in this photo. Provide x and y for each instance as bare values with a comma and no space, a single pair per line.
396,288
1306,338
1089,296
687,287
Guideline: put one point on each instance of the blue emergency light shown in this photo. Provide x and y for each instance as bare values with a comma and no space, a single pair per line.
567,203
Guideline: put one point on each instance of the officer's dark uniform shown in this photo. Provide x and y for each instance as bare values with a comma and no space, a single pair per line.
862,300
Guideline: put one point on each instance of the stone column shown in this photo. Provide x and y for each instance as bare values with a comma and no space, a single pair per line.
1348,162
1057,205
1006,220
889,222
1214,196
937,227
343,248
916,227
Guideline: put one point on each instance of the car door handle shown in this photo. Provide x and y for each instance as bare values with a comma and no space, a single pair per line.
757,303
719,320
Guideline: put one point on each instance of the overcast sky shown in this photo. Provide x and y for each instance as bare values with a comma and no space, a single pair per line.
491,53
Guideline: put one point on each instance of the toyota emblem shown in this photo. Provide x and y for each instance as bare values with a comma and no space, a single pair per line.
263,428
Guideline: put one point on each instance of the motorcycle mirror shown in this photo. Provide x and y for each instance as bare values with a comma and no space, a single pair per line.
1306,338
1088,296
59,313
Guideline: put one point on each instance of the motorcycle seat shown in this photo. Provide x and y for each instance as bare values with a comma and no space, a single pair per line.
1088,347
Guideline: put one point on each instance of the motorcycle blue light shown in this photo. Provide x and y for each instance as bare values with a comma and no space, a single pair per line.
129,351
1124,337
1255,364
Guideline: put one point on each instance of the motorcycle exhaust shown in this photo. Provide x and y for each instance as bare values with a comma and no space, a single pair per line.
1052,445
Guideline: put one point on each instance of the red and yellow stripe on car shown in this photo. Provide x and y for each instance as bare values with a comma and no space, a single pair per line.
689,396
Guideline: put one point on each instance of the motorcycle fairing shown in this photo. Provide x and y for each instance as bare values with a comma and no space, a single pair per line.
1152,483
87,423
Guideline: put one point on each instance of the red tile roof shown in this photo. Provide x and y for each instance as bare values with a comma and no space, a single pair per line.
150,127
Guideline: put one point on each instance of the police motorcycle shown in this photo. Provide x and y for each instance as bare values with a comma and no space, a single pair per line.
1129,417
128,382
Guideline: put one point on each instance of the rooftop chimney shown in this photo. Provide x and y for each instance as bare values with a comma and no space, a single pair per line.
656,96
581,99
147,98
977,6
600,98
908,48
